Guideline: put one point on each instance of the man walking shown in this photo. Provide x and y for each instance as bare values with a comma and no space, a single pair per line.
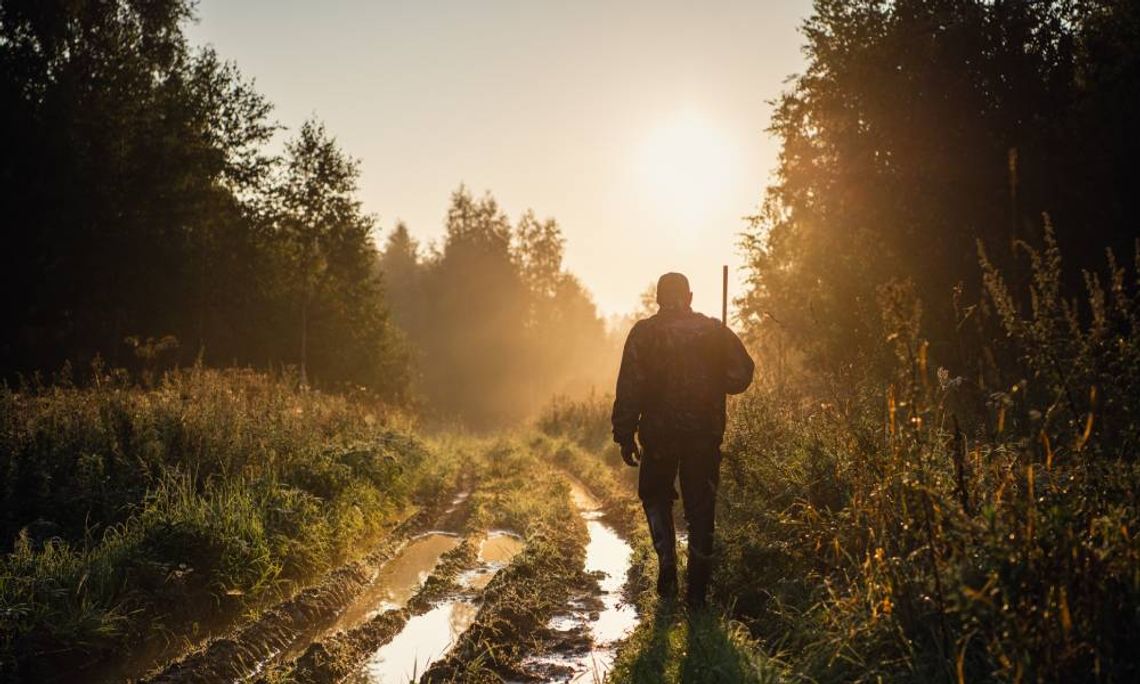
676,369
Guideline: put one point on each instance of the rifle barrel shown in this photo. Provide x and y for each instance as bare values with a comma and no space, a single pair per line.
724,296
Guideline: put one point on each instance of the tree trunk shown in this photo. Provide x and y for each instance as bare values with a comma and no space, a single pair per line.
305,340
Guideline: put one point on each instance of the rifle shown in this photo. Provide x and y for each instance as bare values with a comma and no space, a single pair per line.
724,296
724,322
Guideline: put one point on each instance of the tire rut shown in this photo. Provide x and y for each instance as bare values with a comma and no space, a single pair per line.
250,649
557,617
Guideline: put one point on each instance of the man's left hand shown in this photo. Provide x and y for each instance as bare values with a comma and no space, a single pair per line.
631,453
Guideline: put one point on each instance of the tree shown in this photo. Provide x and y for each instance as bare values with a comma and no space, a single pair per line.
400,265
497,323
327,265
920,127
538,251
127,160
475,315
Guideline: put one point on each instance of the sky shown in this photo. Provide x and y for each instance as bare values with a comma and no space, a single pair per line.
639,126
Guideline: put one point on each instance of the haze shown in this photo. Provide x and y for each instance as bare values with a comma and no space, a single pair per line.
639,126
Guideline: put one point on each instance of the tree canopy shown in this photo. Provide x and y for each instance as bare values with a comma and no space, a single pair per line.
921,127
141,203
150,220
496,321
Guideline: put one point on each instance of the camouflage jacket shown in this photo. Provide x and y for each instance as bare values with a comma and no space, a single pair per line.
676,369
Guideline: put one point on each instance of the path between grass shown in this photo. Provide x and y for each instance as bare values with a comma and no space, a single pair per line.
668,644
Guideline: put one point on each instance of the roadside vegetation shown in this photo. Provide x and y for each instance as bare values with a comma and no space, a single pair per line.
135,514
950,527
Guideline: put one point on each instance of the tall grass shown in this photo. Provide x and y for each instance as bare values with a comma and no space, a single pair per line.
129,512
949,528
585,420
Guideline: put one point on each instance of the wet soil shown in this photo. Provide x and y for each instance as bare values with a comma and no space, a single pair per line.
281,630
425,638
582,639
340,654
558,615
430,604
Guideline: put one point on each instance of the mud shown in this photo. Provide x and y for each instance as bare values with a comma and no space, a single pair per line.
425,638
582,639
556,615
439,606
398,579
281,630
340,654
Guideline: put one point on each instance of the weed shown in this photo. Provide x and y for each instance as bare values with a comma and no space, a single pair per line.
130,512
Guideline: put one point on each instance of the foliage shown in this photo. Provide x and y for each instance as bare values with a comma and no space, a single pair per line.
585,421
327,261
129,512
919,127
938,528
957,503
498,324
141,202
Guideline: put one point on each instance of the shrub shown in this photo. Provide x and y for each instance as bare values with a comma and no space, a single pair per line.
940,527
586,421
130,511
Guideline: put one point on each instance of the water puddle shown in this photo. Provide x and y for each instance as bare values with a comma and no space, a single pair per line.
496,551
398,579
609,554
424,640
608,558
457,502
428,637
500,546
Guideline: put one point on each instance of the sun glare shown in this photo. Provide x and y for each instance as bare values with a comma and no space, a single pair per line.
685,167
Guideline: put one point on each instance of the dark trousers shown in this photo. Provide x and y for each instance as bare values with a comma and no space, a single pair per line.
697,463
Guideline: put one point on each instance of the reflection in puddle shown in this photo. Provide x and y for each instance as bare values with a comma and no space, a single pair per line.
424,639
455,503
608,553
399,578
391,587
500,546
496,551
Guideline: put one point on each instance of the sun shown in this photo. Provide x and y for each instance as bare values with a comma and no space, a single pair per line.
685,166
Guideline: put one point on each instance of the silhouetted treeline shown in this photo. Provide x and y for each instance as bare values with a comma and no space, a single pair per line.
148,222
141,206
497,324
920,127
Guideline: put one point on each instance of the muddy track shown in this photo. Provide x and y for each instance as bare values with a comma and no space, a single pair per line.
555,616
253,647
554,613
339,655
511,621
584,635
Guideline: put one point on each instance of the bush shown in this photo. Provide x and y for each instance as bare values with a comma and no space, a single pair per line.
130,511
952,528
586,421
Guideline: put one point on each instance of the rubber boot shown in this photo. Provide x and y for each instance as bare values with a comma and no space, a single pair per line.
699,571
659,514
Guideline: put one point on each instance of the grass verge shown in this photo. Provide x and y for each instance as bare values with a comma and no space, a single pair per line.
133,516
